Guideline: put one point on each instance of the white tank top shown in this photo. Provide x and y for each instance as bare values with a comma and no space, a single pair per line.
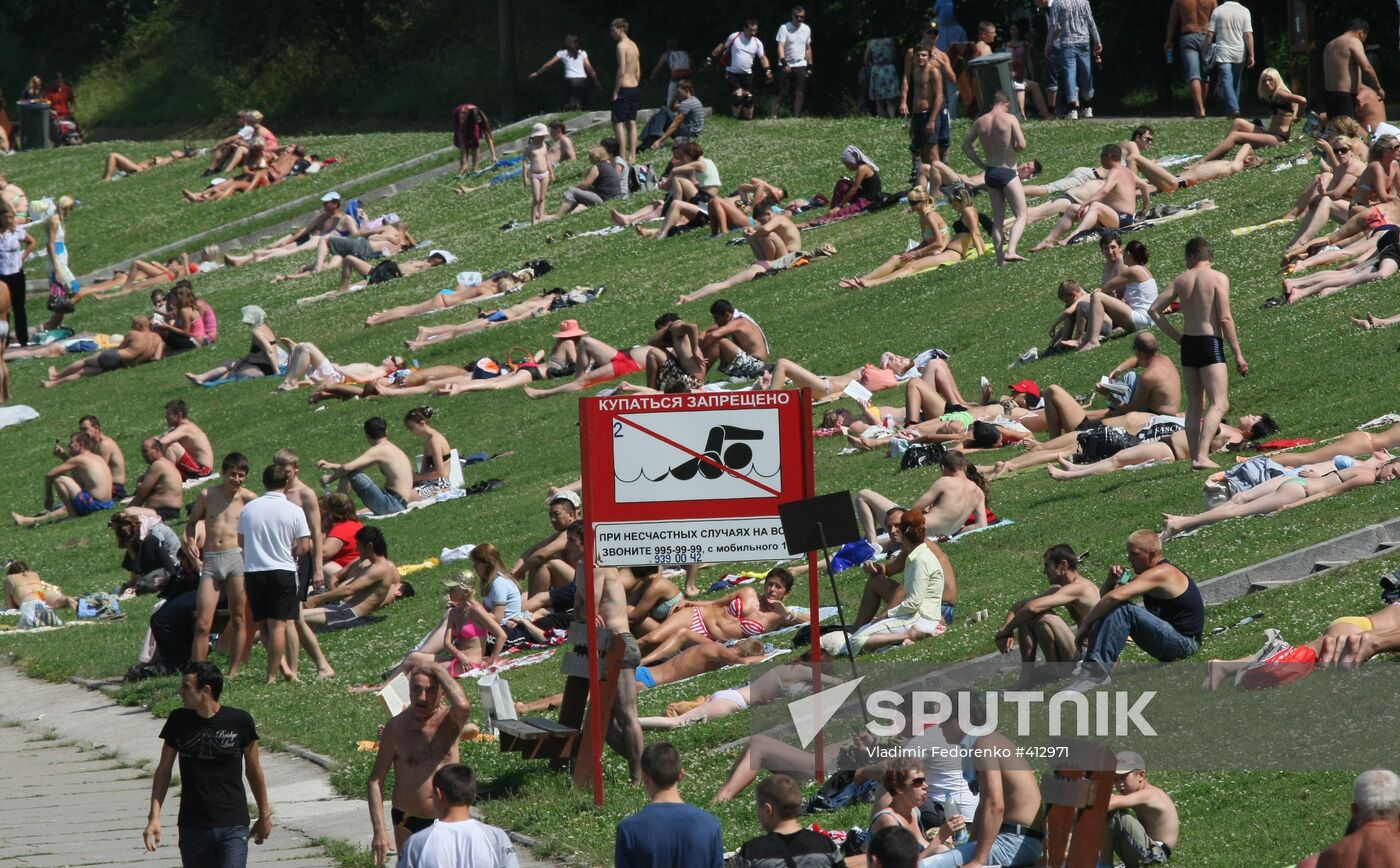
1139,296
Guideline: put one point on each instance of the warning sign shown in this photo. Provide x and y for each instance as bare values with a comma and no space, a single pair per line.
675,479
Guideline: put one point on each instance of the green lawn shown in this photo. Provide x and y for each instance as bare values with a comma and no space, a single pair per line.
1308,367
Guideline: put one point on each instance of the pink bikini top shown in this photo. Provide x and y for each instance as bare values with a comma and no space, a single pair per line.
471,630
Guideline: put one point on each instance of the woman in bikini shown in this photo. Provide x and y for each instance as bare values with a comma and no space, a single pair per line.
1367,207
1286,105
262,358
1342,165
500,282
740,615
256,173
1385,264
1286,492
124,165
537,366
462,637
938,247
531,307
431,478
930,366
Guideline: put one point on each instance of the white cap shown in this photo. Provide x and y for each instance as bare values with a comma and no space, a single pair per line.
539,131
447,258
332,196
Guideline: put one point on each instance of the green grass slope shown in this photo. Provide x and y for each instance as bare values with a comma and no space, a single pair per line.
1309,368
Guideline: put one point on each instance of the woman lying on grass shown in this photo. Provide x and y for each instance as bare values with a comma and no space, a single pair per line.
937,246
1347,642
930,366
777,683
122,165
740,615
531,307
1325,283
501,281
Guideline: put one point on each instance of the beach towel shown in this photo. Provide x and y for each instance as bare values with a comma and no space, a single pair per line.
17,414
234,378
968,531
451,494
506,663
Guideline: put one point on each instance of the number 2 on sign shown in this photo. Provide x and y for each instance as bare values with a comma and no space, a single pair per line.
617,430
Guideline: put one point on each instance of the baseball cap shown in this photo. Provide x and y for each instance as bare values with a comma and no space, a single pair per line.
462,580
1130,761
332,196
539,131
1027,386
569,496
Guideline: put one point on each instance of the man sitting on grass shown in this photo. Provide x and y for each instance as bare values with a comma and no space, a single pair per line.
185,443
363,588
83,484
775,242
397,492
1033,624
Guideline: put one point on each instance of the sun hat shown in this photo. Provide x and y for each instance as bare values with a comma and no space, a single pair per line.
539,131
1027,386
569,328
253,315
446,257
461,580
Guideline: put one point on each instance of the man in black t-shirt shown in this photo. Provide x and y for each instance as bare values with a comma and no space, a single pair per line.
787,845
215,744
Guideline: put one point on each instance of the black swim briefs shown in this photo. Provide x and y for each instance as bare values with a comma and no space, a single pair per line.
1202,351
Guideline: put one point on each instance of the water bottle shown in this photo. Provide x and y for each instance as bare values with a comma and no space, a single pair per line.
951,810
1171,53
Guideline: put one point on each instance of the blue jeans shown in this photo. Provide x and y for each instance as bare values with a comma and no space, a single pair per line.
214,846
1192,47
1007,850
172,628
1150,633
1076,76
1229,78
375,499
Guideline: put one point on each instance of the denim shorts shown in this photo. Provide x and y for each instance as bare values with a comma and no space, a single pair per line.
1192,47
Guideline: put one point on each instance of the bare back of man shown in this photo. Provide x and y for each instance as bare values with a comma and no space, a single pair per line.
949,503
1375,845
165,491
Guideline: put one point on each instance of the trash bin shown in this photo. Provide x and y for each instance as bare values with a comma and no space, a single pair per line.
34,117
990,74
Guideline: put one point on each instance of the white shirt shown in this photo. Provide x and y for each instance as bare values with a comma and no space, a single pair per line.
269,526
943,770
465,843
1230,22
573,66
744,52
792,43
11,251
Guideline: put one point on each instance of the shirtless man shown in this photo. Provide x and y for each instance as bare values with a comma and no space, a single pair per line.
1112,207
309,569
954,501
82,482
627,92
594,361
330,221
925,103
363,588
1206,170
1375,841
211,540
307,365
141,344
999,133
415,743
1143,825
1156,390
160,491
36,599
1191,18
1205,307
942,135
365,244
543,566
736,341
397,492
105,447
680,361
1032,623
350,266
1009,805
1162,450
185,443
1048,451
775,242
1344,69
650,597
624,733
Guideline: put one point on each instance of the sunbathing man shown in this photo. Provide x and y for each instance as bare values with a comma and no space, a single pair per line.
398,491
775,243
1143,824
160,491
542,566
1032,624
1153,449
83,485
596,362
500,282
735,341
36,599
695,660
1112,207
211,540
331,220
680,364
122,165
1210,170
185,443
365,244
307,365
1285,492
366,586
107,449
956,500
140,345
538,305
353,265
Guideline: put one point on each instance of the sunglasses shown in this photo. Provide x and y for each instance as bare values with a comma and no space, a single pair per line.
1342,150
917,782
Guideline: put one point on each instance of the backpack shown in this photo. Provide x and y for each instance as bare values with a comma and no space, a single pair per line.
385,271
922,455
1102,442
640,178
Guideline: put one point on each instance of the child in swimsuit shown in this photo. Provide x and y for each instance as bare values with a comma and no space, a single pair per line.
539,172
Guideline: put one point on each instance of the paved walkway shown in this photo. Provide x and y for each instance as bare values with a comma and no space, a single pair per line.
73,798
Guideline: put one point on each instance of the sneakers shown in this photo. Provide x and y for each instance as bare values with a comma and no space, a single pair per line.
1026,358
1072,115
1087,683
1088,113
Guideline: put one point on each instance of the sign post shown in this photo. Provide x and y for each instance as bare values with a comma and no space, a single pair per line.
685,479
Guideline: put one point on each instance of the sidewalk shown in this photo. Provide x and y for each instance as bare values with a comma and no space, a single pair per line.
67,805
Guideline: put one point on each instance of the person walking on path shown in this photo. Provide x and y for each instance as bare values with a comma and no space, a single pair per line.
1187,25
794,62
627,92
579,76
1076,36
216,745
1231,36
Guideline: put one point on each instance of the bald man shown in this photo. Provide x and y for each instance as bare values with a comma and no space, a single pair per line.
1168,625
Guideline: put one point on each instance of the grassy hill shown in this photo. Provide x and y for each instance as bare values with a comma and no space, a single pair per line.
1309,367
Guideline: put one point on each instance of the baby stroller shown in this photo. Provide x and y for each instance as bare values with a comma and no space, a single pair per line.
66,131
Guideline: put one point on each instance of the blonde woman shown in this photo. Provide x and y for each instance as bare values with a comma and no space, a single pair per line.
938,246
466,638
1286,107
62,282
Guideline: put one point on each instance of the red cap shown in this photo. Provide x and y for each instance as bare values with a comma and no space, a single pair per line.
1027,386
